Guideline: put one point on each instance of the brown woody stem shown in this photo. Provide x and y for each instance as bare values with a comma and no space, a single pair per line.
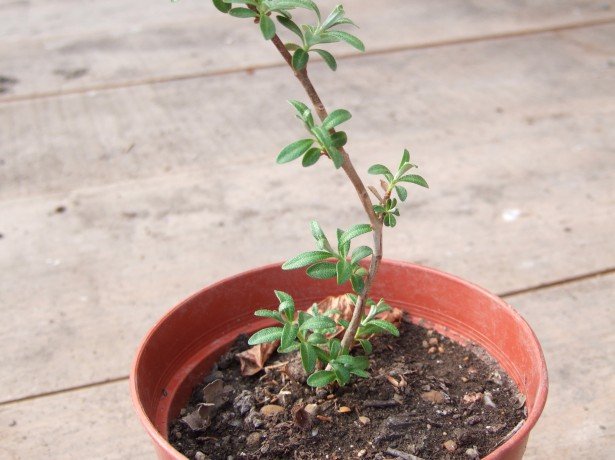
347,166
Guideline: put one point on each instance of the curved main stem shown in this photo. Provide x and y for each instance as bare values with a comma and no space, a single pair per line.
348,167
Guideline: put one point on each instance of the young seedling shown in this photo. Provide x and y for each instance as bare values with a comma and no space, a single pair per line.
313,333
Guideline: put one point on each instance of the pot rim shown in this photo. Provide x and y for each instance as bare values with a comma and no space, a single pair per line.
523,432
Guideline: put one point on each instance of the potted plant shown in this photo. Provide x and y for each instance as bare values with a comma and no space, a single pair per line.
333,348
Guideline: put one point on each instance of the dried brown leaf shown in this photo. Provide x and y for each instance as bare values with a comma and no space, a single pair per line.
253,359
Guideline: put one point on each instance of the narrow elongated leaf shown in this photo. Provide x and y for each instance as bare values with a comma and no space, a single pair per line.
328,58
308,357
269,314
348,38
354,231
414,179
385,325
242,13
311,157
283,296
339,139
289,334
341,373
294,150
379,169
335,118
335,346
267,26
300,59
317,338
221,6
305,259
343,271
357,283
316,323
334,16
367,346
321,378
300,107
323,356
290,4
336,157
290,25
360,373
291,46
360,253
322,271
402,193
269,334
405,158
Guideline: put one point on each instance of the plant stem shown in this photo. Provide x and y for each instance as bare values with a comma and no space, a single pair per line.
348,167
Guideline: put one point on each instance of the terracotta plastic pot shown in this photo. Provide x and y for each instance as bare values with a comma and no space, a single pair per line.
185,343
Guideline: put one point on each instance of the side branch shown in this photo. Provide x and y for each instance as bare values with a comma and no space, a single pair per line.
356,181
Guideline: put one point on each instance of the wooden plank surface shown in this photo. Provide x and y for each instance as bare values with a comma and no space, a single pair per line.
51,47
467,99
93,423
575,325
99,273
573,322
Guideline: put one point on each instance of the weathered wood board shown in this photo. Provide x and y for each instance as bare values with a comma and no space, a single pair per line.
82,286
573,322
50,47
575,325
465,100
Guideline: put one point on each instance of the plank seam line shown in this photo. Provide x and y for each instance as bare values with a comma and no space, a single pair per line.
538,287
63,390
255,67
561,282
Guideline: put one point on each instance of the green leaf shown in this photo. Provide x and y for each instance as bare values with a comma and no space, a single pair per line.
348,38
335,118
380,169
267,26
334,16
354,362
342,247
311,157
323,356
269,334
283,296
414,179
269,314
322,271
402,193
357,283
294,150
321,378
242,13
300,59
343,323
366,345
317,338
405,158
289,334
335,346
308,357
343,271
300,107
339,139
289,4
390,220
328,58
304,259
316,323
354,231
336,157
385,325
291,46
290,25
360,253
341,373
317,232
360,373
221,6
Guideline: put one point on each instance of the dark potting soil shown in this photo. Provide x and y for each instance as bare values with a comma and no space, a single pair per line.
428,398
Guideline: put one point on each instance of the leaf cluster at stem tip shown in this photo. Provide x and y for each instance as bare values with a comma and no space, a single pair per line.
327,262
312,333
327,142
387,206
311,36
